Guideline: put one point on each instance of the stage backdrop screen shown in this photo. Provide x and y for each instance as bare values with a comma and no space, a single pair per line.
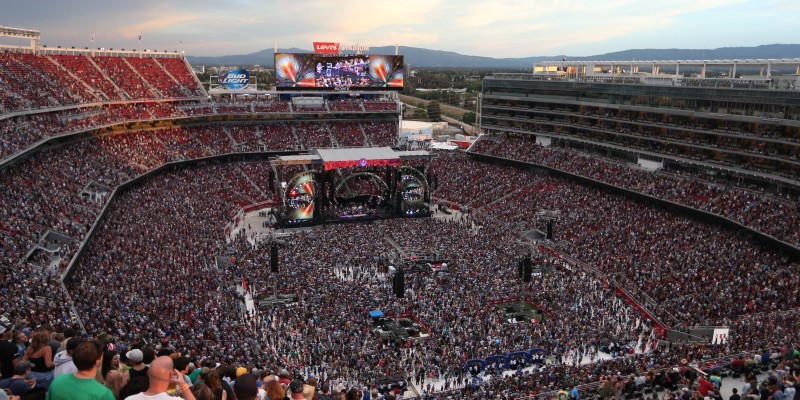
298,71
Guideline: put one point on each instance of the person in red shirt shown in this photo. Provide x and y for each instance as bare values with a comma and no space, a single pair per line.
704,385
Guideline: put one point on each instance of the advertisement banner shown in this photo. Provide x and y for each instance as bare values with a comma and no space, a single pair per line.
236,79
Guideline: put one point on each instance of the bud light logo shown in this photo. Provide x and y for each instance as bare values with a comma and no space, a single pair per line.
236,79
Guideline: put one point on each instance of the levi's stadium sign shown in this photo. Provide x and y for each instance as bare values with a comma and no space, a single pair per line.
335,48
326,47
236,79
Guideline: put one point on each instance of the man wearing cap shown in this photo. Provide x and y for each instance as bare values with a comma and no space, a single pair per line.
296,389
162,373
17,384
82,385
245,387
63,360
9,355
138,368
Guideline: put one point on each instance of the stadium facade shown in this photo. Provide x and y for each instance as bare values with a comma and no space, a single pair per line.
743,129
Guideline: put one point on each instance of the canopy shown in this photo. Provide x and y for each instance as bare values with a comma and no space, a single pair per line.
376,313
358,157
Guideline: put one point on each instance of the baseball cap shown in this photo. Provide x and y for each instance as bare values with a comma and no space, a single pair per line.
296,386
245,387
135,355
240,371
3,328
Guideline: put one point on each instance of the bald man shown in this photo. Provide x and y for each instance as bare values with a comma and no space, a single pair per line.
162,373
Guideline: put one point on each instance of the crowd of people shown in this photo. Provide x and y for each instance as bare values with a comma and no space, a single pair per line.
658,253
160,272
770,214
23,132
150,275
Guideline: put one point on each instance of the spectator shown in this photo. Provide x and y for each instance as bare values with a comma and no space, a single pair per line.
137,367
109,371
18,384
245,387
82,385
40,354
9,356
275,391
162,374
63,360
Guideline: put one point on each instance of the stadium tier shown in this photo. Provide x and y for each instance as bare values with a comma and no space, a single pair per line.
738,131
131,207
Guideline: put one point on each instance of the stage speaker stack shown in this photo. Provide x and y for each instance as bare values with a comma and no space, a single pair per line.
550,230
527,269
273,258
271,181
399,284
519,269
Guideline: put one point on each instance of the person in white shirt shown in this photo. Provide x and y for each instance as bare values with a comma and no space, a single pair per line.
162,373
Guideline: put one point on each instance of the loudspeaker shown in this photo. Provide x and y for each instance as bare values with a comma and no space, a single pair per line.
549,230
527,269
519,269
273,258
399,284
271,180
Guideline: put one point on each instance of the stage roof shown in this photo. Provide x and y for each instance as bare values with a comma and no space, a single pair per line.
412,154
358,157
356,153
351,157
299,159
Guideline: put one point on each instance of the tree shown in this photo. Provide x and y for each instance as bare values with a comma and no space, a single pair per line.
469,117
419,113
434,111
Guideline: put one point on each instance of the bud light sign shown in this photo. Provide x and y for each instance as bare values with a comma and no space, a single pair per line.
236,79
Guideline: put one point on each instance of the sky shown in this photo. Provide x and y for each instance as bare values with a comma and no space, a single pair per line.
501,28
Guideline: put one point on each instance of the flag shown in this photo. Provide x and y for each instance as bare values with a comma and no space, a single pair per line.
92,37
140,38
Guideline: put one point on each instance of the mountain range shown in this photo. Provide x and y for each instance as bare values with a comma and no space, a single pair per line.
420,57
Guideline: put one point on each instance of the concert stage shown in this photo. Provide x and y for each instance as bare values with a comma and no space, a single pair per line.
353,184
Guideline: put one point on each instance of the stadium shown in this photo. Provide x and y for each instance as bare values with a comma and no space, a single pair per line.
611,233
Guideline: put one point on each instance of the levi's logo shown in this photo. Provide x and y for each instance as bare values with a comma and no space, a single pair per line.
326,47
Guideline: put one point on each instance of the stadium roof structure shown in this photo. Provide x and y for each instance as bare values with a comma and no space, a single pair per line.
352,157
591,67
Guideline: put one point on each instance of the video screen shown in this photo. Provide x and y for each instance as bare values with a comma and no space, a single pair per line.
296,71
299,197
412,191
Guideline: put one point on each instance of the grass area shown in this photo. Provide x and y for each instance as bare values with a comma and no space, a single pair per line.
450,111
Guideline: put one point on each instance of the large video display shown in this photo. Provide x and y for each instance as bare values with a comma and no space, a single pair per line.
299,197
297,71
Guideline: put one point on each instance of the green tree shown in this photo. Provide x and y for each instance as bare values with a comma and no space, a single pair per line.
434,111
469,117
419,113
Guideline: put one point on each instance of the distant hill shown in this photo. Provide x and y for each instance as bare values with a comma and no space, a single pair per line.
419,57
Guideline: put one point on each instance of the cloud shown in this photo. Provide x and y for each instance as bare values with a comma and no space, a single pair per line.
504,28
